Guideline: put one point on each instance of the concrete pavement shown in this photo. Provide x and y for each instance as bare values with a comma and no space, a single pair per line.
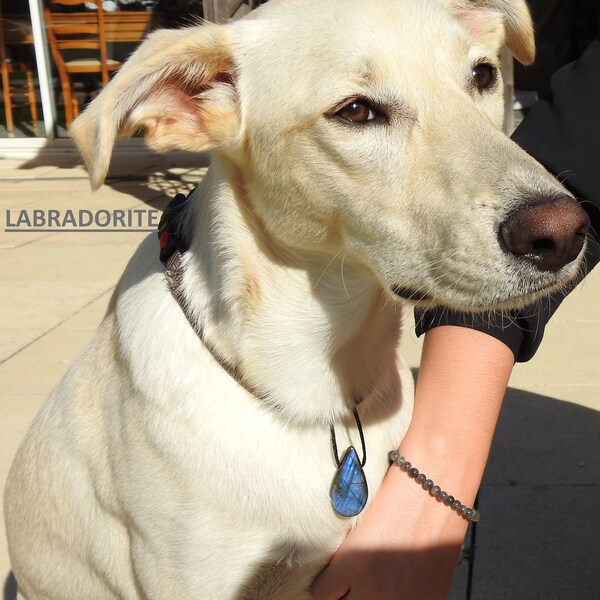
540,498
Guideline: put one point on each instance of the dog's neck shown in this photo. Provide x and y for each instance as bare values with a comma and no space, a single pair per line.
312,332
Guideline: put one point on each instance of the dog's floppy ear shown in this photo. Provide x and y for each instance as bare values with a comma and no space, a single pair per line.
484,18
178,87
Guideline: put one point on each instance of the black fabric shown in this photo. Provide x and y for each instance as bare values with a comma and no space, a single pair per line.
563,133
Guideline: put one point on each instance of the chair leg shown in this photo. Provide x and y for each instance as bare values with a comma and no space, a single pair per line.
68,99
7,102
32,101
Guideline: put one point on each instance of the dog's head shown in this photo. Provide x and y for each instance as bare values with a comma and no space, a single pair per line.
367,128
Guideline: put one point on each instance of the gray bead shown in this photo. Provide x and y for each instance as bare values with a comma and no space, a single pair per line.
456,505
428,484
443,496
421,478
393,455
413,472
406,466
462,510
469,513
449,500
435,490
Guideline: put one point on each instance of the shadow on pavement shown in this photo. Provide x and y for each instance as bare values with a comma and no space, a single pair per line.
144,174
540,505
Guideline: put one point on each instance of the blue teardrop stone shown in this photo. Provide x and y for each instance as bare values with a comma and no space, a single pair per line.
349,487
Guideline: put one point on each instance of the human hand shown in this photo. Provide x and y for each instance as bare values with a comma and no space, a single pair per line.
396,553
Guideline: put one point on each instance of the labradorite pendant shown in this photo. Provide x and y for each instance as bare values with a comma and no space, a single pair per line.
349,487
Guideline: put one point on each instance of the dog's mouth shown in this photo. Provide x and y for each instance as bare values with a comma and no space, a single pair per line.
410,294
542,289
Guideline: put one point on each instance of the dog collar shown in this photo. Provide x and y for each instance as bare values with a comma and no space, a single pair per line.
349,491
169,236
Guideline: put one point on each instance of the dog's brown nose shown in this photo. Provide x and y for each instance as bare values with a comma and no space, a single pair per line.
549,233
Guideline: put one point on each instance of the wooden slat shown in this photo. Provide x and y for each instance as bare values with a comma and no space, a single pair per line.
75,29
125,26
130,27
77,45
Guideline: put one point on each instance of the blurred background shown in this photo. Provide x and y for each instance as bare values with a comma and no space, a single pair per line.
56,56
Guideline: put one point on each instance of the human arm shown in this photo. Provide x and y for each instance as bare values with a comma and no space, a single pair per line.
407,544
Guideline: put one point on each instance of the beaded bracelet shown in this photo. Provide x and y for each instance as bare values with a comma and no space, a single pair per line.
468,513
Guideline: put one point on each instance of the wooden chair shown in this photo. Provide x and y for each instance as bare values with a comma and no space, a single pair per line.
16,92
78,46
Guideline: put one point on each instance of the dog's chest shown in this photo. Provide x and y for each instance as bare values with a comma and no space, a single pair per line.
225,453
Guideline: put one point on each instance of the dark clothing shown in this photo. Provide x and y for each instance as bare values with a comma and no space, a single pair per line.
563,133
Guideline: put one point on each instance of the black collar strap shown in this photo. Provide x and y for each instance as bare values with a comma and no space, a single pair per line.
173,246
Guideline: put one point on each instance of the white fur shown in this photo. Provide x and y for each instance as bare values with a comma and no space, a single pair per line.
150,472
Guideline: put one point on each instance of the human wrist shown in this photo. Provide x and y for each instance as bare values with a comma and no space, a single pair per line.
457,469
408,518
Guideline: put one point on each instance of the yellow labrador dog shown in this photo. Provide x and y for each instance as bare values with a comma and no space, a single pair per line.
358,164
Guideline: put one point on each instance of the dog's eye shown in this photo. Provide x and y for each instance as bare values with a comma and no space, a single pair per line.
358,111
484,76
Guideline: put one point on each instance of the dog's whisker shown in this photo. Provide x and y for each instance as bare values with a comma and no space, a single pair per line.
343,279
327,267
